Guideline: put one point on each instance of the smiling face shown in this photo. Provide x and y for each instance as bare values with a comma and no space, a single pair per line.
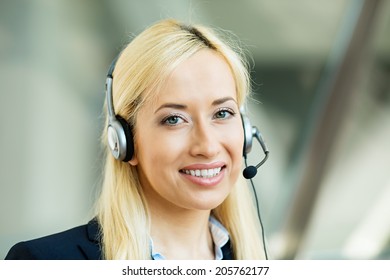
189,140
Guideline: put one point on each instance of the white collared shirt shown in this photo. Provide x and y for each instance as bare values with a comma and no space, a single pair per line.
218,232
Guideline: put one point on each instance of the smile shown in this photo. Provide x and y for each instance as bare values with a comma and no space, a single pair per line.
203,173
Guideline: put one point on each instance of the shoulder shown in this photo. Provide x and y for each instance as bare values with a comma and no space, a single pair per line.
81,242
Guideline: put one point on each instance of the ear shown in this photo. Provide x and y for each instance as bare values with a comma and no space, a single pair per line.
134,160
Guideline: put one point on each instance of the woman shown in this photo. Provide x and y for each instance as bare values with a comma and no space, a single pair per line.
172,185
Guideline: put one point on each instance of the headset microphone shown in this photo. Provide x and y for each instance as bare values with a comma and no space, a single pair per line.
251,171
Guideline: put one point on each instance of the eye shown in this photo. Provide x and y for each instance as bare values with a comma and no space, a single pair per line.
172,120
224,113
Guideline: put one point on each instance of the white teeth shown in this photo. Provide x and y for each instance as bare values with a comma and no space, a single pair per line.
205,173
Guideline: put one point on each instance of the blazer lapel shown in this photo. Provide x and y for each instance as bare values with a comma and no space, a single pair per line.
227,252
91,247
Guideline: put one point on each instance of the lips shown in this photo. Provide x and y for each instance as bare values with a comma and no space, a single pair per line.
204,174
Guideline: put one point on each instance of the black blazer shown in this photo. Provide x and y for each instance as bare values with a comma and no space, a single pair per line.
79,243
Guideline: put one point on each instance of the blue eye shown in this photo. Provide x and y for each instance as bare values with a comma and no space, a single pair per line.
224,114
172,120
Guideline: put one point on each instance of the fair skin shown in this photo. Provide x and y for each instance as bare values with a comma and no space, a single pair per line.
188,146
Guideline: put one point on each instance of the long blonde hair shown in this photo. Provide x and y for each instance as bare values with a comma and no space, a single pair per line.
141,69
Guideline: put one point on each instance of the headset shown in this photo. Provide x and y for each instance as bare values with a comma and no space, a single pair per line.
119,131
121,141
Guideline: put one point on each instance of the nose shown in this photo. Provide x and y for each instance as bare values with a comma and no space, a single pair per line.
204,141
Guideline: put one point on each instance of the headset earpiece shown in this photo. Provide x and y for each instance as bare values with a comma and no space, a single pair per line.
248,133
129,138
120,139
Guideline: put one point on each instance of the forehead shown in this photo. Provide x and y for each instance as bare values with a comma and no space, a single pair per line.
205,75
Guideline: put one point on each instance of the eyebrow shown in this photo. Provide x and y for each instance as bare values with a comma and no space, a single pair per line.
223,100
182,106
171,105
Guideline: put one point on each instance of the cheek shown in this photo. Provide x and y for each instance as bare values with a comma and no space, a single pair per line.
234,144
236,140
160,148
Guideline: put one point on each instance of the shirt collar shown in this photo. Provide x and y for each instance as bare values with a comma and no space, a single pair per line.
219,235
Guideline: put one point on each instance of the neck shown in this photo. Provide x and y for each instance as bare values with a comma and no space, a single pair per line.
182,234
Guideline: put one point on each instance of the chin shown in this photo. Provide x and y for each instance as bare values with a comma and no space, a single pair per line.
207,204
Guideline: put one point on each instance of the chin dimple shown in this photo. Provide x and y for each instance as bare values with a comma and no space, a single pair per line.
204,173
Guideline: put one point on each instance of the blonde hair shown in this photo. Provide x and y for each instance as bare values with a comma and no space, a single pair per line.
141,69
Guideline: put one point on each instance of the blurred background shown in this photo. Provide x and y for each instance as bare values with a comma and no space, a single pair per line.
321,83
